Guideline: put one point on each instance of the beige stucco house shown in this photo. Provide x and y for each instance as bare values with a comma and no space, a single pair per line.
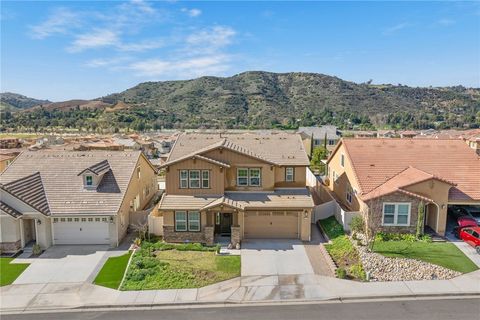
72,197
237,186
387,180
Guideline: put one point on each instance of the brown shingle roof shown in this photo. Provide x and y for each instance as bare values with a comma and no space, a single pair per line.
63,187
375,161
278,148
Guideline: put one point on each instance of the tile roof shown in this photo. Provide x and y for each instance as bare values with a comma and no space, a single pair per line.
30,190
280,198
319,132
275,148
9,210
63,187
98,168
405,178
375,161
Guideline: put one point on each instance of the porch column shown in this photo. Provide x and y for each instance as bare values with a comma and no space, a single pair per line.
22,234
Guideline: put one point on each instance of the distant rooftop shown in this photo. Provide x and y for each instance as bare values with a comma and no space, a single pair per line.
319,132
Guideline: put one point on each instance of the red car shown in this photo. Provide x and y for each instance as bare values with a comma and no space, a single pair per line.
463,222
471,235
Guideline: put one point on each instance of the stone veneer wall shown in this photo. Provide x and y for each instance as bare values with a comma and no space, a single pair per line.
235,236
376,209
203,236
10,246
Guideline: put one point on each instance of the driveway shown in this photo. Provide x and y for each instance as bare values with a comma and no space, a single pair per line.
274,257
64,264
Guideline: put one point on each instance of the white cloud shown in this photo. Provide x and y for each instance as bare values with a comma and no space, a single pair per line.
107,62
182,68
192,12
396,28
95,39
209,40
445,22
60,21
141,46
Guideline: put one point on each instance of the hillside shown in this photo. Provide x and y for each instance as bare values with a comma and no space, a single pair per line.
265,100
17,101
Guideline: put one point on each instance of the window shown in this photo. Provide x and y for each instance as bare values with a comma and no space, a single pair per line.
254,177
316,142
335,177
55,220
180,221
183,179
104,219
342,160
90,219
138,172
205,179
84,219
69,219
331,142
289,173
217,218
62,219
242,177
193,221
77,219
89,180
397,214
97,219
349,194
194,179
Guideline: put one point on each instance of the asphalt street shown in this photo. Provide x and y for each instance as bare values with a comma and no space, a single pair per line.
440,309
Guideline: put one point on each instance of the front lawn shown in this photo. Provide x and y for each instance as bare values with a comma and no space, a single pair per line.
440,253
10,271
169,266
342,251
111,274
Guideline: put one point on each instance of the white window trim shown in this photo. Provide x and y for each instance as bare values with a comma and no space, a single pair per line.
190,179
238,177
395,214
291,175
207,179
199,219
342,160
259,177
86,180
183,179
181,220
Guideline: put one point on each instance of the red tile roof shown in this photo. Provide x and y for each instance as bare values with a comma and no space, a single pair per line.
376,161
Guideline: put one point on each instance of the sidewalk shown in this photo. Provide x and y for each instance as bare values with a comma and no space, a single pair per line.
35,297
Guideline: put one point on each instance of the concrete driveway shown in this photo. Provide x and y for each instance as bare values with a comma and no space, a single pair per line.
274,257
61,264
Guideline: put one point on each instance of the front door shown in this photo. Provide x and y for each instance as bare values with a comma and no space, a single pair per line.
223,223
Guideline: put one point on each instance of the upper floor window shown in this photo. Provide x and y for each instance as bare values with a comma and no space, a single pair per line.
205,179
396,214
249,177
316,142
88,180
349,194
289,174
335,177
138,172
331,142
194,179
342,160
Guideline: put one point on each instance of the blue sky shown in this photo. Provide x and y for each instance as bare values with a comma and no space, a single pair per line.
80,49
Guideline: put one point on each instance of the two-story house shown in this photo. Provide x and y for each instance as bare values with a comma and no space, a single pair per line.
236,185
70,197
388,180
314,137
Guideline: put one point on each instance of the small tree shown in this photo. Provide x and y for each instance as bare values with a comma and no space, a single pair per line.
421,217
357,225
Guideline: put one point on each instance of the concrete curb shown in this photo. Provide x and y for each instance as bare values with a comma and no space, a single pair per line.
230,303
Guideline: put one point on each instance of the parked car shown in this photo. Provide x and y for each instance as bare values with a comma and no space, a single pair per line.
471,235
463,222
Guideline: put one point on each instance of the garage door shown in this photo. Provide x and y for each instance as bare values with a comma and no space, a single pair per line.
81,230
280,225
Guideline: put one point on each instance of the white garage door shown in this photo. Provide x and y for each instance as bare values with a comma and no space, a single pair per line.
81,230
273,225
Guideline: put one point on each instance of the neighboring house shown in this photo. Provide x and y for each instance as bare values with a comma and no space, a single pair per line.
408,134
10,143
365,134
387,179
386,134
238,186
71,197
127,143
6,159
315,137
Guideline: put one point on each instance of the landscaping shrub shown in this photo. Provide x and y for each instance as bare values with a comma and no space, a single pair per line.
331,227
384,236
357,272
357,225
425,238
341,273
36,250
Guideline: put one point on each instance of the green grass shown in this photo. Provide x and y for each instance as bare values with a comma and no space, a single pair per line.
440,253
177,269
112,271
341,249
10,271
